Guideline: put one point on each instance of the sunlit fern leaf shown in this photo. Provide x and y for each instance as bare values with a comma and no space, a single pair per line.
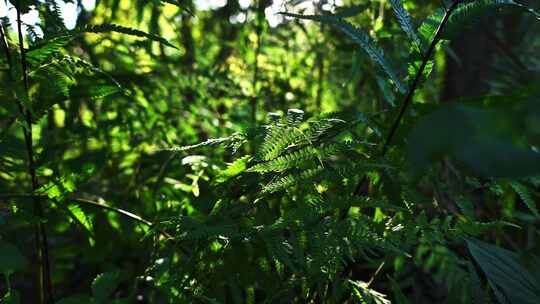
39,52
362,39
405,22
209,142
80,217
278,137
105,28
364,294
237,167
428,28
525,196
101,91
288,132
294,159
290,180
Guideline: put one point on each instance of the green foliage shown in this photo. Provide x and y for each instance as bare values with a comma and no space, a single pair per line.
248,157
11,259
363,40
505,273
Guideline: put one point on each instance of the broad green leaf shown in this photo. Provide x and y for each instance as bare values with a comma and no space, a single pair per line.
487,141
11,259
505,272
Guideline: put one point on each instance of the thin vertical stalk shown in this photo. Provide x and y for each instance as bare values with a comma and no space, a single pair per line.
412,88
320,72
44,277
419,73
255,81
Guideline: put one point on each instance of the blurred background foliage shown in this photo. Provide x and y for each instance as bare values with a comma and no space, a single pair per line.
137,211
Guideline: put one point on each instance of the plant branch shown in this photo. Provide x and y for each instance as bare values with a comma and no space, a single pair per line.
5,46
419,73
259,32
44,277
83,201
412,89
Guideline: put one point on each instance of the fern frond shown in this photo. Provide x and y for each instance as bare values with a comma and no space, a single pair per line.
277,139
291,180
526,197
405,22
209,142
237,167
362,39
294,159
466,15
41,51
106,28
364,294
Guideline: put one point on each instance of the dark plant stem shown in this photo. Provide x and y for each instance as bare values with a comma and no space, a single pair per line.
5,46
412,89
416,81
90,203
44,273
255,81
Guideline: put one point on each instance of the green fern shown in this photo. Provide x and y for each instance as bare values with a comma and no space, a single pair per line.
526,197
41,51
107,28
405,22
290,180
362,39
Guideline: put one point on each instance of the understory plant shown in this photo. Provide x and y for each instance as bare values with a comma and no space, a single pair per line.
415,202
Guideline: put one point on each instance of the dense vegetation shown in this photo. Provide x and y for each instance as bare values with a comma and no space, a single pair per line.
266,151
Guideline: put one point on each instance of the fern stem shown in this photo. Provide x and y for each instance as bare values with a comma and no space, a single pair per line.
44,273
259,29
5,46
419,73
412,89
82,201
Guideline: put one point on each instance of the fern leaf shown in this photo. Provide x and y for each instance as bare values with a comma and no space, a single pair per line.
526,197
209,142
106,28
277,139
101,91
405,22
291,180
366,295
465,16
362,39
237,167
41,51
294,159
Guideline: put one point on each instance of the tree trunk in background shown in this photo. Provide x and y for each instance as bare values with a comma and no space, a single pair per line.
470,73
467,74
188,59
